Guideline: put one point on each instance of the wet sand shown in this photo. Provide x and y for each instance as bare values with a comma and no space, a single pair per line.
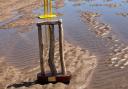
110,5
80,63
119,50
111,72
88,71
17,13
124,14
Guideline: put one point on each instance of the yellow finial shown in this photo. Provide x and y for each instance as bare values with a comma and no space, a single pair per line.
50,7
47,10
45,7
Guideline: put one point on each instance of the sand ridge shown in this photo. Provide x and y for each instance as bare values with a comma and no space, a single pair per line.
119,50
80,63
111,72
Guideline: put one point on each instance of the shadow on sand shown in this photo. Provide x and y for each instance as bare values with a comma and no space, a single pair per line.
26,84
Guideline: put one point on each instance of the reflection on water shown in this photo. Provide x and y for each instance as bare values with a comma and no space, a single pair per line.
20,45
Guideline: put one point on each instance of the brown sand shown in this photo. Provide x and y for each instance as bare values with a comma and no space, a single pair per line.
110,5
80,63
101,29
111,72
17,13
124,14
119,51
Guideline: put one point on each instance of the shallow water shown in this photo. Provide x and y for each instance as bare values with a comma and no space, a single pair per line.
20,45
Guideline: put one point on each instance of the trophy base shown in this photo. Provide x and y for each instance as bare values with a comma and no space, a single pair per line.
45,79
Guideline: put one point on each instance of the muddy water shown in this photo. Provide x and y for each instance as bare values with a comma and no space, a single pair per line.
20,45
